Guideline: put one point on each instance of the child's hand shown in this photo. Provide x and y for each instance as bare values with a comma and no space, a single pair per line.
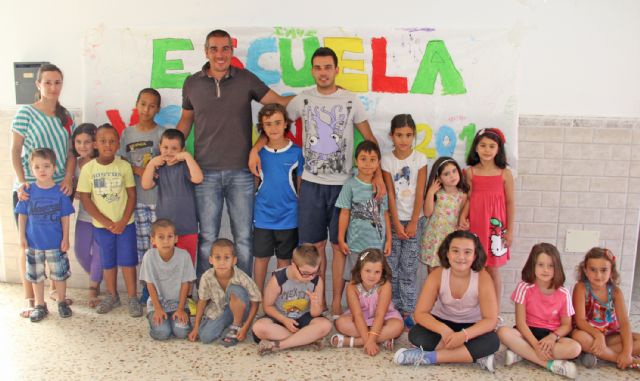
624,360
454,340
599,344
370,346
181,316
291,325
545,347
434,188
508,237
315,298
344,247
159,316
64,245
193,335
412,228
117,227
157,162
242,332
182,156
387,248
463,224
400,231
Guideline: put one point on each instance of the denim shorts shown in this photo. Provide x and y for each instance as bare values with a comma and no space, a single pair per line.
58,265
317,212
117,249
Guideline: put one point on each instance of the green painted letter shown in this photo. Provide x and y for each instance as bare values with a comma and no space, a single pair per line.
160,79
436,60
290,75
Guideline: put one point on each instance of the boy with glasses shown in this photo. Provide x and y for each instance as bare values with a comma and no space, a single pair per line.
293,305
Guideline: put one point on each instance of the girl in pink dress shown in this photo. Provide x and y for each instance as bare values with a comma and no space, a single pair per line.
491,208
371,318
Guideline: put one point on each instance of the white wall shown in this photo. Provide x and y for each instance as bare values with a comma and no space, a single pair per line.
579,57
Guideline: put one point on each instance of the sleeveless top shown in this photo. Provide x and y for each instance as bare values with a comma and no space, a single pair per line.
602,316
369,303
463,310
293,301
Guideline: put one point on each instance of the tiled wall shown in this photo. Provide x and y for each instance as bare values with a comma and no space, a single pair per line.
573,173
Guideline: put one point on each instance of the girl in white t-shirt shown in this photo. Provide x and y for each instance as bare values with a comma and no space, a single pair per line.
543,315
405,173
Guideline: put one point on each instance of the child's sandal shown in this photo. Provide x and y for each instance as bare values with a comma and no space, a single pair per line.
340,341
231,338
28,307
267,346
388,345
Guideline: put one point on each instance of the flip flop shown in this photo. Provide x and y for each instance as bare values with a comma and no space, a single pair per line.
231,338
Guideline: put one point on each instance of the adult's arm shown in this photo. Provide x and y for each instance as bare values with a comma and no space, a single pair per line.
17,142
273,97
186,121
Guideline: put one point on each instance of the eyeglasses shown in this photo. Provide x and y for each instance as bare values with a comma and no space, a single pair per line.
305,274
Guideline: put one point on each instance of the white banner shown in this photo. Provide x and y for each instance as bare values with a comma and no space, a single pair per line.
453,83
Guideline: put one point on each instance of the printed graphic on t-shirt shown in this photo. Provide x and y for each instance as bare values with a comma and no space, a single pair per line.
368,211
139,153
325,144
402,183
107,185
45,211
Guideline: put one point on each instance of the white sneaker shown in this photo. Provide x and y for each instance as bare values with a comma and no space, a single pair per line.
487,363
588,360
511,358
564,368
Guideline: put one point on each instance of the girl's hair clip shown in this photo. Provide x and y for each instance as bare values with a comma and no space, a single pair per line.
610,255
493,131
443,163
364,255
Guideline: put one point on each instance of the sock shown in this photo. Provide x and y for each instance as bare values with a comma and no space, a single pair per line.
429,357
550,364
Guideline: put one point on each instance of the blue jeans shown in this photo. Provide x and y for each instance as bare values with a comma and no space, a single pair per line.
237,188
211,329
168,327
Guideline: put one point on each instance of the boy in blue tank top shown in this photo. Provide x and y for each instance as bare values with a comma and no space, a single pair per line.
276,206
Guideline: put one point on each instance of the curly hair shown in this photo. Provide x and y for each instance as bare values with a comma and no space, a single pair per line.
598,253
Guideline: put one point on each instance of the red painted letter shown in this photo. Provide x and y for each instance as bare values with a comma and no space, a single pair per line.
379,81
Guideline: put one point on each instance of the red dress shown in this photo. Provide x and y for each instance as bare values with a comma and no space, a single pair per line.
488,216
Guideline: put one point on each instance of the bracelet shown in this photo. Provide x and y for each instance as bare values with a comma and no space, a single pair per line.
466,336
557,336
374,333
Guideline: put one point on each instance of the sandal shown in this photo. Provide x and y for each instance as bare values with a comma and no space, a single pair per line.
231,338
28,307
38,313
267,346
388,344
53,294
340,342
93,297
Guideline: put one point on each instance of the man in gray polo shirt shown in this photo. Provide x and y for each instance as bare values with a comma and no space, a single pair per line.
218,99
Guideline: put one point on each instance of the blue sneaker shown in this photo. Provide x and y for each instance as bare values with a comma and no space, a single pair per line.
410,356
409,322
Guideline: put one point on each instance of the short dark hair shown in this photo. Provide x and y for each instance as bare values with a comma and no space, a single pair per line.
325,52
43,153
270,109
370,255
223,242
162,223
368,146
107,126
497,136
152,91
173,134
218,33
478,261
306,254
529,269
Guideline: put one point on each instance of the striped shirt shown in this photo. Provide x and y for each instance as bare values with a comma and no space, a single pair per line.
543,310
41,131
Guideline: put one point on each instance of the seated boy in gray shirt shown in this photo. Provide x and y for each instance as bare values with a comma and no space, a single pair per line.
168,272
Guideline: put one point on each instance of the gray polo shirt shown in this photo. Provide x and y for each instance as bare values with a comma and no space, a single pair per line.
222,112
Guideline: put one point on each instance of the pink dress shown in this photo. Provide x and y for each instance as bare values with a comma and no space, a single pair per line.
488,216
369,303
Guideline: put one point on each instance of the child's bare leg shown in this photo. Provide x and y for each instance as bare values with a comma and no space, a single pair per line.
38,292
110,279
61,290
321,247
457,355
391,329
237,307
586,340
566,349
266,329
129,273
283,263
337,270
497,283
260,266
317,329
346,326
94,291
513,339
26,285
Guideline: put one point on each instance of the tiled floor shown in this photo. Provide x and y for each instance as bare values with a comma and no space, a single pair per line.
115,346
